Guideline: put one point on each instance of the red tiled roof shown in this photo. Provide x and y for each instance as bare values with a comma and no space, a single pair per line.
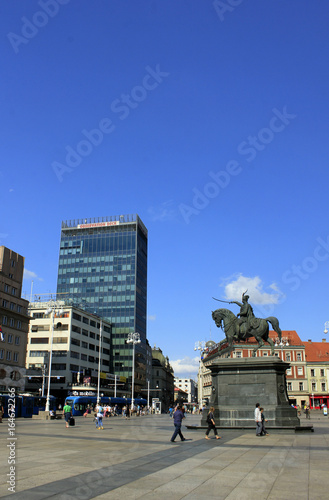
317,351
288,335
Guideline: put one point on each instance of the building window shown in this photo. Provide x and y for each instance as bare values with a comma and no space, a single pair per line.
15,357
238,354
12,322
312,372
6,288
38,354
4,320
12,306
300,370
85,320
299,356
38,315
289,386
84,357
13,263
323,387
19,324
322,372
8,356
4,303
60,340
14,291
19,309
59,367
41,340
265,354
2,352
289,371
60,354
75,355
301,386
313,386
10,338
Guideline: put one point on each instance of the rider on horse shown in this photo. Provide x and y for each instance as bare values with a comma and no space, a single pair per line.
245,316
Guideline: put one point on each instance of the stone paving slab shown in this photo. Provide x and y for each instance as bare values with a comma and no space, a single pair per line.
133,459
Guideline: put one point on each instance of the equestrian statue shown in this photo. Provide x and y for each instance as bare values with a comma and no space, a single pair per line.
244,325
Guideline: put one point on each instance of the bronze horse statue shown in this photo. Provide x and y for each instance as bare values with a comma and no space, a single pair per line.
224,318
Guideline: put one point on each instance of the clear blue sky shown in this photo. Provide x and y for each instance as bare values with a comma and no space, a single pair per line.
209,120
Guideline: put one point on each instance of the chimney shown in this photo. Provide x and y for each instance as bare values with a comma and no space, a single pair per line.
309,340
324,340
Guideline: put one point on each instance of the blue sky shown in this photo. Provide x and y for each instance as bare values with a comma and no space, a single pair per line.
208,119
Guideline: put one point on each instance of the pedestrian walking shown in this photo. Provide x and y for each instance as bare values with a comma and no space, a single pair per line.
99,417
258,420
264,431
178,417
307,411
67,412
211,423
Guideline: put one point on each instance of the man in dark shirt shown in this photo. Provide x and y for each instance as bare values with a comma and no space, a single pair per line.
178,417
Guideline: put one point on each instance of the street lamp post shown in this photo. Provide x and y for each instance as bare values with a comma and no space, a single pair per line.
282,343
148,395
51,309
133,338
99,360
200,346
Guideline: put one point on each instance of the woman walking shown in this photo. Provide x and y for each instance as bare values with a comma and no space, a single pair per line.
211,423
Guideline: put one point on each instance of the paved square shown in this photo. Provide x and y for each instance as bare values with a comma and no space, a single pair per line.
133,459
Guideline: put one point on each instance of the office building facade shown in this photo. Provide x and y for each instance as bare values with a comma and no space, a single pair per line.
14,321
73,343
103,264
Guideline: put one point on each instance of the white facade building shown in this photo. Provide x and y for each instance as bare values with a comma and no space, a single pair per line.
73,346
189,386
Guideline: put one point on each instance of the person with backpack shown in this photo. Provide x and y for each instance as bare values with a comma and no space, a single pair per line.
211,423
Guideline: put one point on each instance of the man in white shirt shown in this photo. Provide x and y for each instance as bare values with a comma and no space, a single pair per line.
258,420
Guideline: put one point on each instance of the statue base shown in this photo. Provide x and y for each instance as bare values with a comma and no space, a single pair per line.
239,383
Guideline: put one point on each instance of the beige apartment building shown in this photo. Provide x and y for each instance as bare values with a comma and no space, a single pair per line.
14,321
73,339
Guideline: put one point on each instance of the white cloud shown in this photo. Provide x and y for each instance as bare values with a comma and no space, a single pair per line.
235,288
151,317
30,275
186,367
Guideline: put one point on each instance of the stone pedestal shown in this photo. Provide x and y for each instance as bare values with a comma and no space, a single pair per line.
239,383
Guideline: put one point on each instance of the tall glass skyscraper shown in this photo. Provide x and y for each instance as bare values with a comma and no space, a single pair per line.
103,266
